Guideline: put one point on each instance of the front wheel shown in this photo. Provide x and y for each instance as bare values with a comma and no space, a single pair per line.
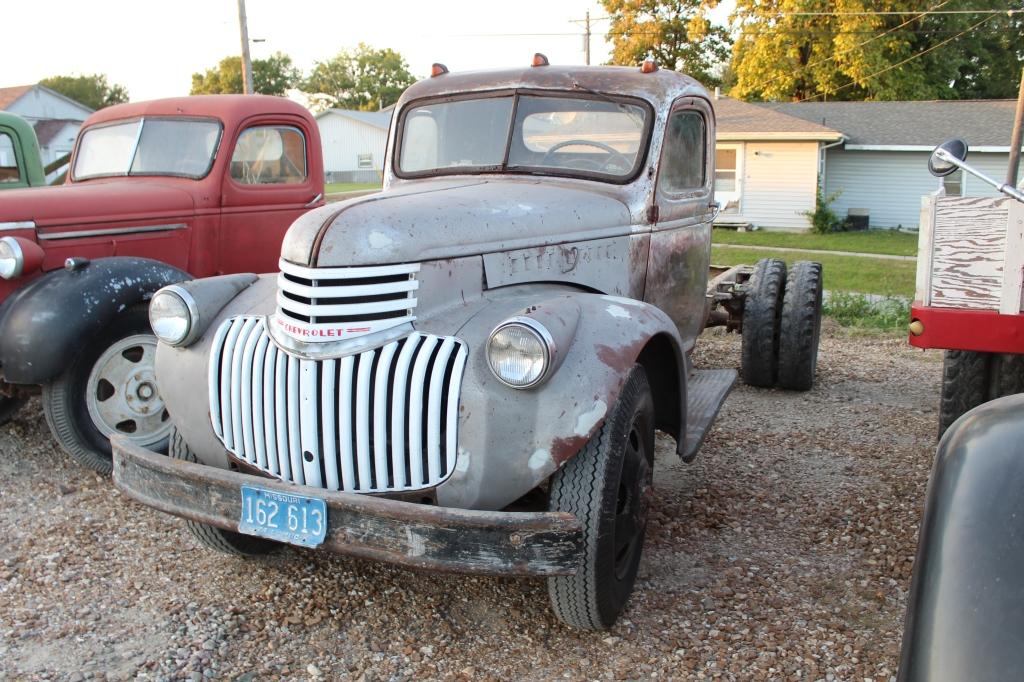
607,486
108,389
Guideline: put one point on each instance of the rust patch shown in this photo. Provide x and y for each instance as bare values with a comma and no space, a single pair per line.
620,359
564,449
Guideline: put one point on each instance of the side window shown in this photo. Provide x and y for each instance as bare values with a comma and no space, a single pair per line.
8,162
682,159
954,183
269,155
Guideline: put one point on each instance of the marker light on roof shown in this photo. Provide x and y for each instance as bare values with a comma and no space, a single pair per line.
649,65
438,70
540,60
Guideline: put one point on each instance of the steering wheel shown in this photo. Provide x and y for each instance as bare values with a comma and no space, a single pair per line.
613,154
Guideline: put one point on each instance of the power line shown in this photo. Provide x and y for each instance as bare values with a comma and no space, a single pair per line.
1008,12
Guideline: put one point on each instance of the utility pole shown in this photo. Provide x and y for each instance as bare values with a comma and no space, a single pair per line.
1015,137
246,60
586,40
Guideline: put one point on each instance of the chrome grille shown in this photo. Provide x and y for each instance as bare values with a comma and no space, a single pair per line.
383,420
329,304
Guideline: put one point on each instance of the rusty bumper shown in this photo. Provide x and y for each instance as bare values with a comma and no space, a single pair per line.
404,533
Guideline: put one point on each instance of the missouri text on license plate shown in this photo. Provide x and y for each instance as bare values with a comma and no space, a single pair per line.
297,519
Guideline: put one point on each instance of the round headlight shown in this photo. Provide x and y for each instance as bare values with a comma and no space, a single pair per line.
12,259
171,315
519,352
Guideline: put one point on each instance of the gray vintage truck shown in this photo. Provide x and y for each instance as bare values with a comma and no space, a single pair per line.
465,371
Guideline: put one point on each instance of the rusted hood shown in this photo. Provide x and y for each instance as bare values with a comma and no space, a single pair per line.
96,201
430,220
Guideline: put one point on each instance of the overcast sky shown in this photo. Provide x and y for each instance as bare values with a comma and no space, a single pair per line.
153,48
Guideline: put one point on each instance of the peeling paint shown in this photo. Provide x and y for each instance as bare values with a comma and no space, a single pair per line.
379,240
618,311
587,420
417,543
539,460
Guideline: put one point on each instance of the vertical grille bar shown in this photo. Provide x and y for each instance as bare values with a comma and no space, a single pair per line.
226,390
248,359
294,444
236,385
434,418
281,413
380,415
269,411
216,352
419,371
363,419
256,401
452,428
329,414
309,419
348,476
398,409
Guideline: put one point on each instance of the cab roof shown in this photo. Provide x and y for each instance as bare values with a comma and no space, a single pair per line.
659,88
231,109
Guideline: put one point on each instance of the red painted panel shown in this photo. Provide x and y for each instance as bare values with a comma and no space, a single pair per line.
958,329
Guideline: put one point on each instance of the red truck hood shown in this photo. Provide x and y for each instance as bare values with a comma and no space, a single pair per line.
95,202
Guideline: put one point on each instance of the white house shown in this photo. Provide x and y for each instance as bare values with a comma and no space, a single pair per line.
354,143
881,168
766,164
56,118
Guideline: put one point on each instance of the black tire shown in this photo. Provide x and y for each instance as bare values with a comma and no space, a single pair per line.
607,486
65,401
226,541
762,312
9,407
970,378
800,327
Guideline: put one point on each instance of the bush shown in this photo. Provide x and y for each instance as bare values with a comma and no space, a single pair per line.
823,218
858,310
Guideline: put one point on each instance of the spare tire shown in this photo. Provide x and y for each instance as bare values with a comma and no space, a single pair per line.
801,326
762,311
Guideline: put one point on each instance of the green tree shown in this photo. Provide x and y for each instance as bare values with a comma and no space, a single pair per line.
840,54
271,76
93,90
364,78
675,32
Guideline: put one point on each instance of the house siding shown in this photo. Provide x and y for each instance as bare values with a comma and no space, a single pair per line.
779,181
344,140
889,184
37,105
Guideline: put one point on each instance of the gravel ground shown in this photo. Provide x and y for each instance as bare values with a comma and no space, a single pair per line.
783,552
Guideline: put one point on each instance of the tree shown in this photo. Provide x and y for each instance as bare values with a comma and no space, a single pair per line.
271,76
364,78
93,90
675,32
847,56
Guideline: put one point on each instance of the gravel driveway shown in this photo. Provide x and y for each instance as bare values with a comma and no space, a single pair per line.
783,552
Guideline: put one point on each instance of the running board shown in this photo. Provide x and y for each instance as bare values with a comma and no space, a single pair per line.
706,390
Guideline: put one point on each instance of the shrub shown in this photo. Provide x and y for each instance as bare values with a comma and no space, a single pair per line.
823,218
858,310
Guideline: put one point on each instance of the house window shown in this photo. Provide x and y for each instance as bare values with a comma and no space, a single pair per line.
725,170
954,183
682,161
269,155
365,161
8,164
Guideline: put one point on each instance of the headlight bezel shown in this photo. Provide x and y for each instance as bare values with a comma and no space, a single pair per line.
17,255
547,343
191,308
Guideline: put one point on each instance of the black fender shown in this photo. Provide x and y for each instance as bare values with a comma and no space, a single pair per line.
43,323
965,614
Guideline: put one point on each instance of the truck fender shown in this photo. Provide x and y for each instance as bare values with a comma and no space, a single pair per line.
965,612
45,322
540,429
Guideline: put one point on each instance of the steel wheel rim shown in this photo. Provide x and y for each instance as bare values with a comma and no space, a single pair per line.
632,501
121,393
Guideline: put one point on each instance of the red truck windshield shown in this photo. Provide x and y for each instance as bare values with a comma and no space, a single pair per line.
148,146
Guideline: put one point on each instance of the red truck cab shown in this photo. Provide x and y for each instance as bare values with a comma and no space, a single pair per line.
157,192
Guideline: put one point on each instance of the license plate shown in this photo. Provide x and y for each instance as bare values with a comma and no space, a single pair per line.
296,519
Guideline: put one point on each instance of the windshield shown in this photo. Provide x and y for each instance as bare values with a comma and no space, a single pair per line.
151,146
551,135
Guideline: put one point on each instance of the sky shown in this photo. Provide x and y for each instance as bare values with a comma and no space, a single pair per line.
153,48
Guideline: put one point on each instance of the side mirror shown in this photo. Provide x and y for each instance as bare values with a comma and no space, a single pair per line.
942,159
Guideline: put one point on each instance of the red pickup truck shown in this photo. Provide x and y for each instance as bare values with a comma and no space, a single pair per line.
158,192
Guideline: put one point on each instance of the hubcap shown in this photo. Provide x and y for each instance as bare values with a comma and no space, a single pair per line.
634,499
121,393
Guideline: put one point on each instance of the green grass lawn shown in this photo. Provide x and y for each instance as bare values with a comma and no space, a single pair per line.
332,187
869,241
842,273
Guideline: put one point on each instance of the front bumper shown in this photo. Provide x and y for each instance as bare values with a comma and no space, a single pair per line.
403,533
